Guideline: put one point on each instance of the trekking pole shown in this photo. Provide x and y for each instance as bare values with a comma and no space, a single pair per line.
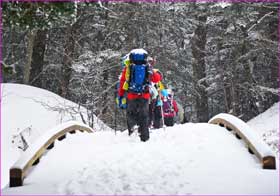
115,119
162,114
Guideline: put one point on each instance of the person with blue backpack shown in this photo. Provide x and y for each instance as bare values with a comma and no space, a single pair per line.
135,81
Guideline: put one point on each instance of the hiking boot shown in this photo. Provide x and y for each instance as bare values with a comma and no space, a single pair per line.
144,138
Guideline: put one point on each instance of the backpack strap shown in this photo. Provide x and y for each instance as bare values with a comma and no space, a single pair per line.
127,77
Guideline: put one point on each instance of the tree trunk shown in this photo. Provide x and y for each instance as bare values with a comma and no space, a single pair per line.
250,107
38,58
198,51
27,67
68,55
224,79
105,97
235,104
105,74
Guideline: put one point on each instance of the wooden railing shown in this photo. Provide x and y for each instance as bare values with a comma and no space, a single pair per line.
243,131
32,155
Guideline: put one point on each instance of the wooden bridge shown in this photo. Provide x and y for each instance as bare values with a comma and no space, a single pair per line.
32,155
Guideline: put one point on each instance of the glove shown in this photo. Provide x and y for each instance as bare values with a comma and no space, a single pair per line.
121,102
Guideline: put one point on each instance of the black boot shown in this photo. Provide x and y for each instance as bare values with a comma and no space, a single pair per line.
144,138
144,134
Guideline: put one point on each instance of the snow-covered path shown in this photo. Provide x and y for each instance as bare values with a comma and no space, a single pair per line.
185,159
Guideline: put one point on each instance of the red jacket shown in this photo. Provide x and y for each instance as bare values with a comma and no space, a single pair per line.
175,107
155,78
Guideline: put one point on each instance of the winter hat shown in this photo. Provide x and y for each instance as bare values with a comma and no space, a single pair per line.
150,59
164,92
169,91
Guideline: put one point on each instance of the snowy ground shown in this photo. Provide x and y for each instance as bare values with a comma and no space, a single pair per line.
185,159
267,126
31,111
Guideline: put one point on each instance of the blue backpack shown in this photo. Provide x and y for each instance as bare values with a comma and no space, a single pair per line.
139,73
139,80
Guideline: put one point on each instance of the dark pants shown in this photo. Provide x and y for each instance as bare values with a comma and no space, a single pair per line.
151,113
169,121
138,114
155,117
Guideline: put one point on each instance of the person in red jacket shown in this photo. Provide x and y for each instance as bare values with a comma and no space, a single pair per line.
170,108
137,103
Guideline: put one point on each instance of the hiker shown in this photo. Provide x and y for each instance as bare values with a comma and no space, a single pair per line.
122,105
155,104
135,81
155,116
169,107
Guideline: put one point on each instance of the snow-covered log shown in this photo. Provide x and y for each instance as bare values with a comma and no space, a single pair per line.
32,155
243,131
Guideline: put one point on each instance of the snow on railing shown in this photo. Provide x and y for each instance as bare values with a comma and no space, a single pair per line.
32,155
243,131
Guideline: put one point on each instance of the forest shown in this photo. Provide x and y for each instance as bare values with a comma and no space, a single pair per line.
215,56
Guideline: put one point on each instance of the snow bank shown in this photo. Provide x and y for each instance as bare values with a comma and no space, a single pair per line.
43,140
25,106
266,125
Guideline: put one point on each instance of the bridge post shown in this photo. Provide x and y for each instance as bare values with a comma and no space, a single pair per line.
16,177
269,162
